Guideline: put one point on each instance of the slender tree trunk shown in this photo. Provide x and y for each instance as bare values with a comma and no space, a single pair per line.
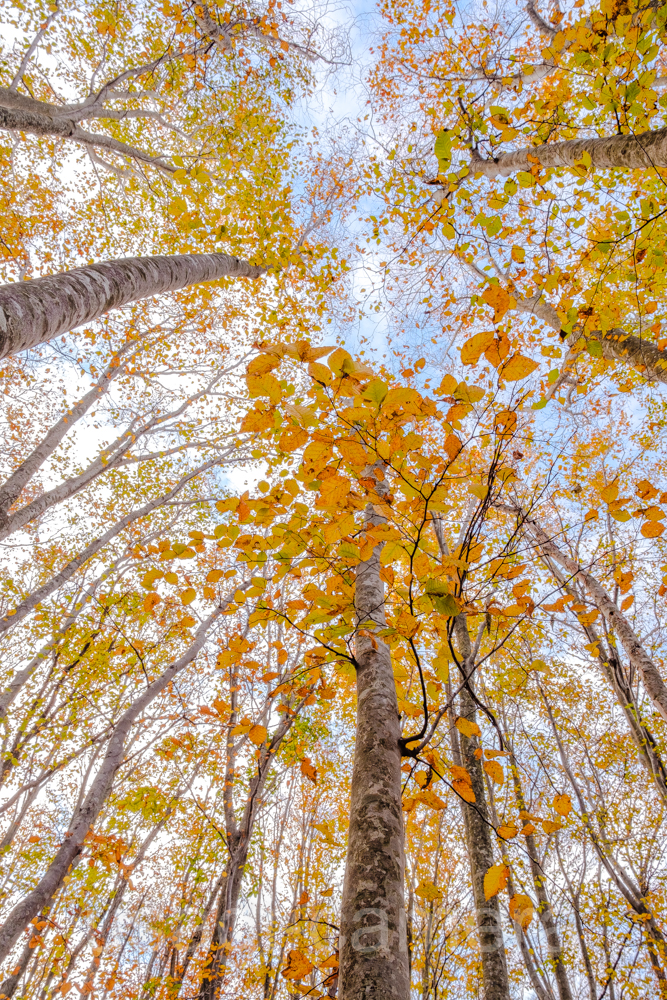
34,312
544,910
374,955
639,658
634,152
478,837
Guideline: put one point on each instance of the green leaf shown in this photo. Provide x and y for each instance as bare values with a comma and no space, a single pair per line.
594,348
375,391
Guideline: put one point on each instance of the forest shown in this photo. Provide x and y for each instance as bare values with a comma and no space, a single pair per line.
333,579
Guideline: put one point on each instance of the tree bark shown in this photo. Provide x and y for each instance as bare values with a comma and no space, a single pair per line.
34,312
478,837
634,152
374,955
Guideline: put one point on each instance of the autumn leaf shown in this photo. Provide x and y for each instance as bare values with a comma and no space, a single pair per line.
494,771
498,299
652,529
150,601
563,804
507,832
257,735
188,595
264,385
453,446
298,966
517,367
473,348
428,891
430,799
522,910
292,438
468,728
550,826
495,880
308,770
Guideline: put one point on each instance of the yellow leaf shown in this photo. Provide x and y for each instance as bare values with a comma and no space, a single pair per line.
494,771
308,770
150,578
498,299
645,490
430,799
550,826
426,890
319,372
460,774
240,730
465,790
452,446
522,910
264,385
507,832
150,600
518,254
421,777
257,735
495,880
263,364
188,596
292,438
468,728
298,966
652,529
473,348
563,804
609,493
214,576
517,367
326,893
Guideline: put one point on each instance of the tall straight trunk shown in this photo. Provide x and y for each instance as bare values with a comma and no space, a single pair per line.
478,836
634,152
373,952
34,312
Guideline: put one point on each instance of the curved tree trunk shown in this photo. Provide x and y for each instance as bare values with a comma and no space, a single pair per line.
634,152
374,954
34,312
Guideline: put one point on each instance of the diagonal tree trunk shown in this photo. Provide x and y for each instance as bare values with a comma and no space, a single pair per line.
34,312
374,955
634,152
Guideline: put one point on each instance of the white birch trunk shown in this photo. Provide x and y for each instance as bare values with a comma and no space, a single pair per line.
34,312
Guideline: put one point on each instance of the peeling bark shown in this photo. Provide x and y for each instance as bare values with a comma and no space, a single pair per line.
374,954
634,152
34,312
478,837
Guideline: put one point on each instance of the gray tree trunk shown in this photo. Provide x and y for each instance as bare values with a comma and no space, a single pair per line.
34,312
373,952
478,836
653,683
635,152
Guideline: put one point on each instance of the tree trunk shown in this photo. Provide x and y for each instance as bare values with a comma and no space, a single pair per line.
639,658
34,312
374,955
634,152
478,837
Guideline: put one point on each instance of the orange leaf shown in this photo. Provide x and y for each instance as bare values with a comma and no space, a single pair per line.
494,771
150,600
308,770
468,728
498,299
473,348
522,910
563,804
652,529
452,446
298,966
549,826
507,832
257,735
